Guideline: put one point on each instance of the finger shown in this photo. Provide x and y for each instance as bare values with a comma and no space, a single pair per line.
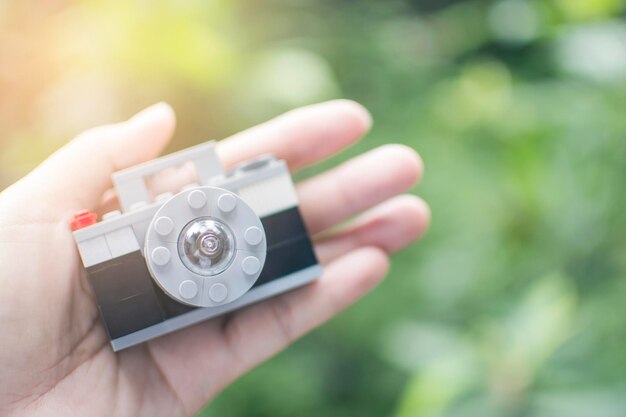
76,176
301,136
336,195
390,226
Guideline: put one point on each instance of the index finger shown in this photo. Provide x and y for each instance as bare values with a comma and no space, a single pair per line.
302,136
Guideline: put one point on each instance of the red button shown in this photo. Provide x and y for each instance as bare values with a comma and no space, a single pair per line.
82,219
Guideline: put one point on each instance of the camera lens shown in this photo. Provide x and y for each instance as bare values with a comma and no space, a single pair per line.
206,246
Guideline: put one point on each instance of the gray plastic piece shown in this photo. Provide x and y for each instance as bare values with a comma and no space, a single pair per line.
180,210
130,183
264,183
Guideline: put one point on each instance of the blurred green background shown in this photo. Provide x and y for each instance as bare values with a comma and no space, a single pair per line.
514,304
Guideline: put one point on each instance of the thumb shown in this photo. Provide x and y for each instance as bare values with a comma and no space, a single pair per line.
76,176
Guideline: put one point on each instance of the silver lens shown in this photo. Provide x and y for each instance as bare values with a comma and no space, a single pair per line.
206,246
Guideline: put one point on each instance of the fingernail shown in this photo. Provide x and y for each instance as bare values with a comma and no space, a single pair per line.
366,116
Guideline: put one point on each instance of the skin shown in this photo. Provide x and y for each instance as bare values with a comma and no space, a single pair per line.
55,358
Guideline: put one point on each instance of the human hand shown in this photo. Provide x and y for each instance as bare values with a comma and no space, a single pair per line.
55,358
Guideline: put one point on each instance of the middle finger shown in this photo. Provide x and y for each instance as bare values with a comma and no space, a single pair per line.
336,195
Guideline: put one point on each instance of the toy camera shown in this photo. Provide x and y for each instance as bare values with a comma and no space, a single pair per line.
229,239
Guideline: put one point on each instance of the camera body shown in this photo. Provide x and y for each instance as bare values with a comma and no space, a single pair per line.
228,240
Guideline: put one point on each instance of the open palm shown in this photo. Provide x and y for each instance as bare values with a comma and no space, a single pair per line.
55,358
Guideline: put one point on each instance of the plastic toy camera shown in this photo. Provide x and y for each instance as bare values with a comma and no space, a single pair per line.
164,263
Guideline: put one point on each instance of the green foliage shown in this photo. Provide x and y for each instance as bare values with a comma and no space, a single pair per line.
513,303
